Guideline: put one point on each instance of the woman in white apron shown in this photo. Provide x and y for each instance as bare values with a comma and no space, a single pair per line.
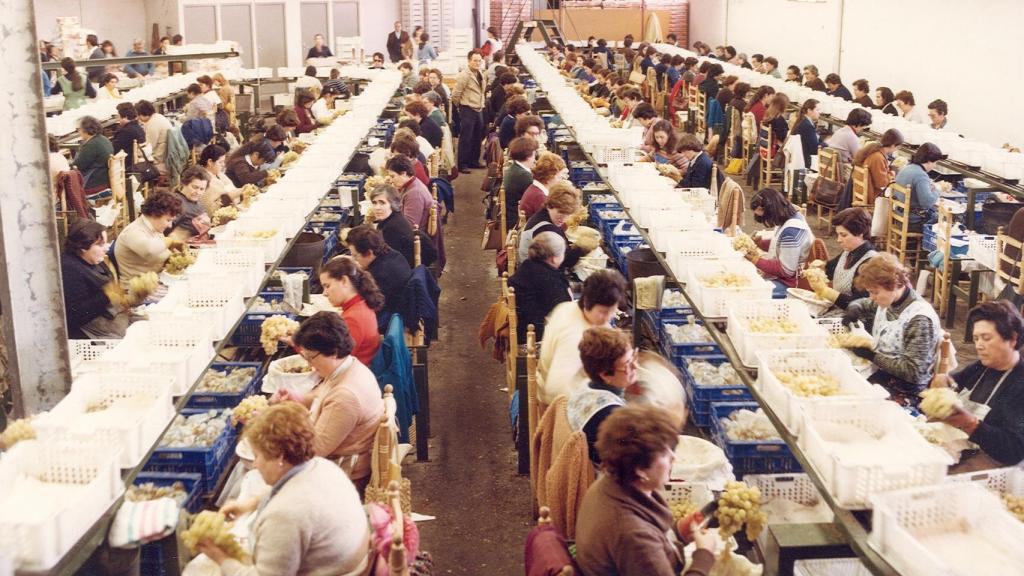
992,388
853,233
904,329
611,363
789,246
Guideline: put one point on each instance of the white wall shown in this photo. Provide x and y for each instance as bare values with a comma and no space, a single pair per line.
119,21
934,48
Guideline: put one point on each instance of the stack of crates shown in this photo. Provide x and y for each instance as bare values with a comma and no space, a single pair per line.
412,15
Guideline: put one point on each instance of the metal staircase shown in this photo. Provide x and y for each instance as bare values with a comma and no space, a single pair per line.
524,31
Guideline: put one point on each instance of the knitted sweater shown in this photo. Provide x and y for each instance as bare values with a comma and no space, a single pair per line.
559,368
911,370
792,246
294,533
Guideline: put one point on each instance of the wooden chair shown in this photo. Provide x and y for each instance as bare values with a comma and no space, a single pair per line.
943,274
398,563
532,410
117,175
543,522
434,163
1009,267
828,168
735,131
860,188
140,155
770,175
512,356
502,225
702,114
900,241
748,126
512,251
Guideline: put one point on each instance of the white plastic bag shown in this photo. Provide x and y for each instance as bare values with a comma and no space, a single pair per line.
880,217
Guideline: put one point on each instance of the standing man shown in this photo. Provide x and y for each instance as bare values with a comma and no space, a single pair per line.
395,41
319,49
92,45
468,98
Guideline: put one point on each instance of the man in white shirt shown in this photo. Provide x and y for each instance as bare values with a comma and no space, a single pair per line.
908,110
156,126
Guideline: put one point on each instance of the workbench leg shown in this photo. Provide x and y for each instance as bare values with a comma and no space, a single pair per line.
951,284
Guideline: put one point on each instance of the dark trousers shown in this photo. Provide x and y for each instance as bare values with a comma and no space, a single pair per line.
471,127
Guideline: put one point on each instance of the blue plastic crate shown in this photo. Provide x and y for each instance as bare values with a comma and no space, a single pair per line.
701,396
750,456
209,461
193,484
209,400
249,328
680,351
675,313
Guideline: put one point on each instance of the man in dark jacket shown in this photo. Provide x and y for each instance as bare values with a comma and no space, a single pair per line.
395,41
834,87
130,132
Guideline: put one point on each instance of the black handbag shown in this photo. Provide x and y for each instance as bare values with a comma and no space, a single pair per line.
146,172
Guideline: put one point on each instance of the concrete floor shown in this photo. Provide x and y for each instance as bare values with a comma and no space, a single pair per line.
482,506
470,484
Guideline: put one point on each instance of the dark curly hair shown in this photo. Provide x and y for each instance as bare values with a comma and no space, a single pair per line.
325,333
631,438
603,288
1003,315
82,235
365,239
161,204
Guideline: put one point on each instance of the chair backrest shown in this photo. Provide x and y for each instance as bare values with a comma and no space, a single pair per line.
899,214
116,174
693,95
860,187
385,445
828,164
434,163
532,411
397,558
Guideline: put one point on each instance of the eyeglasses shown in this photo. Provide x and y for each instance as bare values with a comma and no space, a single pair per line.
309,358
630,364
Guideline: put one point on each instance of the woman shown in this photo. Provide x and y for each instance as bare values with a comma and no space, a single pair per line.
846,140
698,163
885,100
759,103
308,81
874,156
540,284
793,75
991,387
244,164
716,118
198,107
404,144
739,97
924,194
416,199
436,80
346,406
93,153
129,134
548,170
805,128
853,233
624,525
386,203
220,191
94,305
562,203
418,112
194,220
904,329
293,532
142,247
303,102
709,87
492,44
425,53
108,88
559,370
660,145
323,109
388,267
515,108
775,119
349,287
790,245
610,362
226,94
72,85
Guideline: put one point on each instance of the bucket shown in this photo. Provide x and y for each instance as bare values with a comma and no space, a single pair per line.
306,252
643,262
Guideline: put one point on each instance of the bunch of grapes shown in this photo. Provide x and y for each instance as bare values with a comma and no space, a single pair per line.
17,431
274,329
248,408
938,403
210,525
740,505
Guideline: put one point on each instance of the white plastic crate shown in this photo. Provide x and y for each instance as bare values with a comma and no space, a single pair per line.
213,298
982,249
947,530
664,222
82,481
1000,480
711,301
827,362
830,567
748,343
83,353
235,235
605,154
696,493
682,249
178,347
244,264
899,458
796,488
134,433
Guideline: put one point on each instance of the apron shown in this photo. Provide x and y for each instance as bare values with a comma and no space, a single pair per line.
583,405
979,460
888,335
842,278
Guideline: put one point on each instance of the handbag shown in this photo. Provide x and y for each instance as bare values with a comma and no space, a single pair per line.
492,236
145,169
637,77
826,192
880,217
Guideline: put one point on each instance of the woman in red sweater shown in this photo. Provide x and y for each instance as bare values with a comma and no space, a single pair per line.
354,290
304,100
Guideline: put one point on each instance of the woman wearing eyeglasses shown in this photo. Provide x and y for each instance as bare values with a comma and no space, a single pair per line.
346,406
610,362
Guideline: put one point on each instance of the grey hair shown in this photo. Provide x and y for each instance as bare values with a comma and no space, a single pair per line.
546,245
434,98
90,125
393,196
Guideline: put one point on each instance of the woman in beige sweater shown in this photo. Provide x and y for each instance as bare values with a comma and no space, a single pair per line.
346,406
293,532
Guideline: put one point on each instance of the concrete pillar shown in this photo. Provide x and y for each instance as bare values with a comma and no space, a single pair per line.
30,287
